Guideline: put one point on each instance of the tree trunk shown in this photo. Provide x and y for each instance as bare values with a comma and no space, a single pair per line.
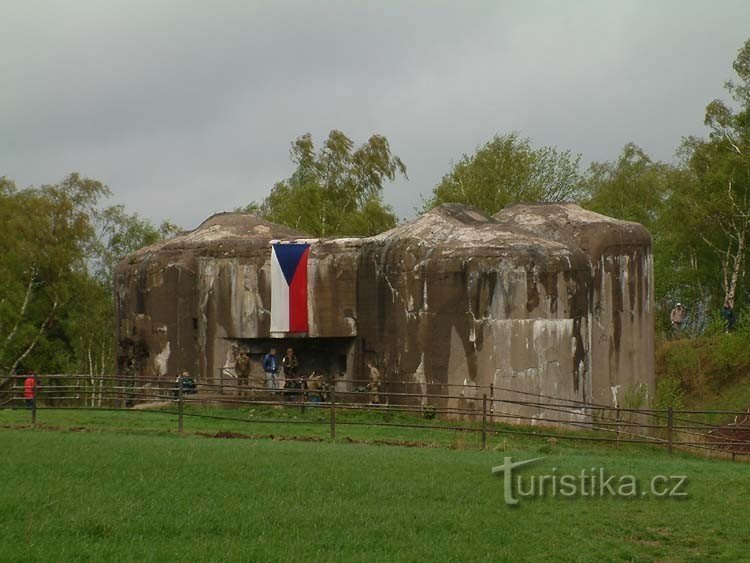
21,313
34,341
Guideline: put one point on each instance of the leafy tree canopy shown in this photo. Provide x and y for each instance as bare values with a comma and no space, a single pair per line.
57,253
336,190
506,170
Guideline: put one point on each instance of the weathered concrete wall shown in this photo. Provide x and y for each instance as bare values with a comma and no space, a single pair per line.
462,303
621,317
540,299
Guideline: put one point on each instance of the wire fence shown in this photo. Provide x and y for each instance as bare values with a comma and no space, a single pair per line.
481,410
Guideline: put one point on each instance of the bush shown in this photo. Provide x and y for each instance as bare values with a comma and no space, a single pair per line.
705,364
635,396
669,393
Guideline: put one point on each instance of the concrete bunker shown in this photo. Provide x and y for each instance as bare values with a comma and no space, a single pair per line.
543,299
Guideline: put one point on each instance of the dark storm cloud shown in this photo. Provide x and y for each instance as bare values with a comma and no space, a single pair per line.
186,108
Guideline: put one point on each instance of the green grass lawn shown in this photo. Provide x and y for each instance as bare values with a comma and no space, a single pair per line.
290,421
148,494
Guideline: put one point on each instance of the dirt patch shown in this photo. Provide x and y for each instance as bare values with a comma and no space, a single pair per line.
240,436
380,442
147,406
403,443
731,438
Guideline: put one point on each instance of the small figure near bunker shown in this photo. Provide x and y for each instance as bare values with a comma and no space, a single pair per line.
242,369
727,313
315,388
29,390
290,366
375,381
677,316
271,367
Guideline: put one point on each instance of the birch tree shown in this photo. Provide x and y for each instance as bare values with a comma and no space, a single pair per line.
718,202
47,237
335,190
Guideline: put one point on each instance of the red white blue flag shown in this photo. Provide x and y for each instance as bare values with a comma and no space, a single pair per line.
289,287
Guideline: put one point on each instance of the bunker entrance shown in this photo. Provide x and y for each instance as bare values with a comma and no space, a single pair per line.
329,357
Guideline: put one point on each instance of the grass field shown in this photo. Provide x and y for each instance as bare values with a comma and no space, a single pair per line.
287,421
125,489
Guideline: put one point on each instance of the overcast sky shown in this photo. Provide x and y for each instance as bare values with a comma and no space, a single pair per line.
185,108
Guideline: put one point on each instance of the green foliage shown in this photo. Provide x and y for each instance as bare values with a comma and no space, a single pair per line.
119,234
713,210
715,325
698,210
633,188
56,259
635,397
669,393
508,170
705,364
48,237
336,190
706,373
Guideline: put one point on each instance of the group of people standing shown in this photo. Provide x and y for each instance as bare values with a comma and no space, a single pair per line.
271,365
677,318
286,372
295,385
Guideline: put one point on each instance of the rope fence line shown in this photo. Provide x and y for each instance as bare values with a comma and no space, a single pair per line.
122,393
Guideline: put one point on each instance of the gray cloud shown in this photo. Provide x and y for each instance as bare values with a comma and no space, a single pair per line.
187,108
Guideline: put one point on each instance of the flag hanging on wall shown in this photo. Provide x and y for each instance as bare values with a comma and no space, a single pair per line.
289,287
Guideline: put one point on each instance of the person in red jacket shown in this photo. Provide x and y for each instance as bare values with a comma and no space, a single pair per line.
29,390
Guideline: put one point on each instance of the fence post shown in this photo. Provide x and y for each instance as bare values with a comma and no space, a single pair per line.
333,412
669,430
179,405
618,420
33,401
492,401
484,421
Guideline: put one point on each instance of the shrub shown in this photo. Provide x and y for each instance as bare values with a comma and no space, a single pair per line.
669,393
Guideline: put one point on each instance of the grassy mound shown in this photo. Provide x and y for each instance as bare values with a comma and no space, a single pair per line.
710,373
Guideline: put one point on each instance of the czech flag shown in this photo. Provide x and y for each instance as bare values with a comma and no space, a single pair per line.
289,287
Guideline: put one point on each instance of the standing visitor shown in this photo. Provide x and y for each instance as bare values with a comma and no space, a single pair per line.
242,369
314,386
374,384
728,315
291,366
29,390
677,316
271,367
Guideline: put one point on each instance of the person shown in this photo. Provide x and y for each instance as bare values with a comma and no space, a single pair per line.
728,315
677,316
177,383
184,380
374,384
291,365
242,369
314,387
271,367
29,390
